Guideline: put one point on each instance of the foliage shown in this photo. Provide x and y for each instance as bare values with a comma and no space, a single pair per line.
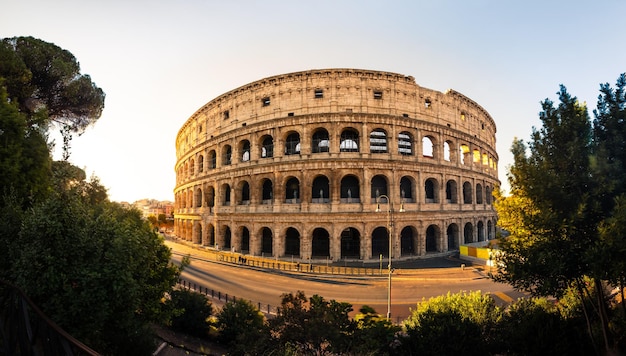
191,312
564,209
242,327
374,334
45,82
24,158
312,326
535,327
453,322
96,268
442,332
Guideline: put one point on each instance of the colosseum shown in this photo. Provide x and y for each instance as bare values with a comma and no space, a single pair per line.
333,163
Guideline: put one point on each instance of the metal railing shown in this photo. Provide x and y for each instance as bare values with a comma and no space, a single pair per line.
26,330
267,309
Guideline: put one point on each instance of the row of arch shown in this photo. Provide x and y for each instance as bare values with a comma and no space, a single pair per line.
291,192
349,139
350,244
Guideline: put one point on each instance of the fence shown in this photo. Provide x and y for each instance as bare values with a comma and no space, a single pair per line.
26,330
295,266
266,309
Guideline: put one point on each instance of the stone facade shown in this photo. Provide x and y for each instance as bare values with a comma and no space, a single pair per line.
328,164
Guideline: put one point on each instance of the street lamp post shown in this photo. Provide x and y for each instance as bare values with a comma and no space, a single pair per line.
390,230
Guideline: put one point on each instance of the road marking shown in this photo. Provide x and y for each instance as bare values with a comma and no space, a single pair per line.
504,297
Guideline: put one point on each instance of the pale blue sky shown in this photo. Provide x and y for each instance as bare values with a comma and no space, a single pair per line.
160,61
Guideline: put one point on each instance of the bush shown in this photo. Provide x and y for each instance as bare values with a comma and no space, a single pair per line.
242,327
191,312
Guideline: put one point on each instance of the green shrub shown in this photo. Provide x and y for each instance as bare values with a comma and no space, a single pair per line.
191,312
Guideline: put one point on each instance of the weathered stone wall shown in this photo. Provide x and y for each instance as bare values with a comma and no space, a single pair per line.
312,193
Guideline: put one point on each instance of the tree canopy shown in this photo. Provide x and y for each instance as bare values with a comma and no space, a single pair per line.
96,268
45,82
563,213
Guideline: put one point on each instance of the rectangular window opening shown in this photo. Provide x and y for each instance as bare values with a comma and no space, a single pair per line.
290,114
378,94
226,115
319,93
266,101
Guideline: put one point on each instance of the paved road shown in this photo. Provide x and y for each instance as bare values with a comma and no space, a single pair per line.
411,282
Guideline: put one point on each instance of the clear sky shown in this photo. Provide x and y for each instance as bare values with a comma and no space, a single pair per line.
160,61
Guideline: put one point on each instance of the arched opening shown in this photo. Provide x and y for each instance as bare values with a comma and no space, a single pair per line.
432,236
197,232
212,159
292,191
320,141
200,163
192,164
489,230
480,227
406,242
209,239
405,144
267,147
430,190
476,156
320,190
292,242
380,242
350,243
245,193
406,190
226,196
267,191
266,241
349,141
451,192
378,141
464,153
467,193
427,147
198,198
292,144
479,193
320,246
227,238
227,155
245,240
245,150
488,195
446,151
453,236
379,186
350,189
468,233
209,196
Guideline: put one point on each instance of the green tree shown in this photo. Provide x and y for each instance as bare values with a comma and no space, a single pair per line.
243,328
45,82
312,326
535,327
24,157
191,312
449,324
96,268
374,334
559,202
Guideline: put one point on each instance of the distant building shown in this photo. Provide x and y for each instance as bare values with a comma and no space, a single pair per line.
301,165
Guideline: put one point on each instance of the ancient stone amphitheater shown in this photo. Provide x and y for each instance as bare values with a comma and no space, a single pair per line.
331,163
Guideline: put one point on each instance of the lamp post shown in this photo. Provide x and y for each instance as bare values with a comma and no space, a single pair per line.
390,230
